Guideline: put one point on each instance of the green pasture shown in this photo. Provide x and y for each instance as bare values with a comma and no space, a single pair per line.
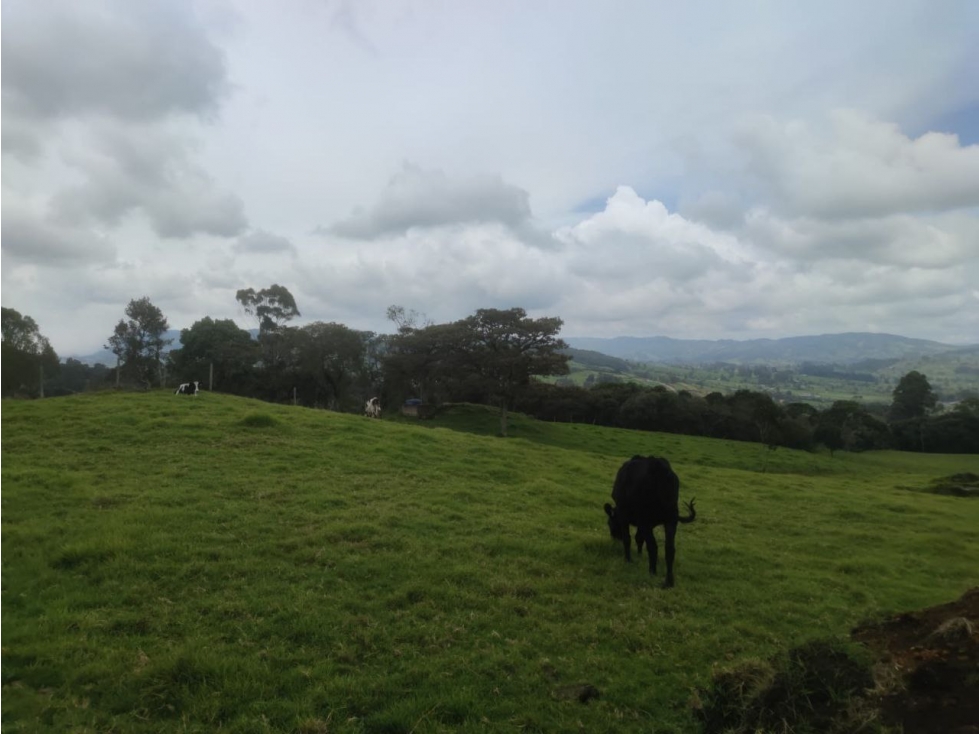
218,564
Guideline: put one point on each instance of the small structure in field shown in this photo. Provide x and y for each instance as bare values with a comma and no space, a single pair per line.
415,408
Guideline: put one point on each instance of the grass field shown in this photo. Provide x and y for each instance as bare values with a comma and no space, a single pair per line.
220,564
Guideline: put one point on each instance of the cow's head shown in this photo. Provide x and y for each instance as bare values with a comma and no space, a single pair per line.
613,522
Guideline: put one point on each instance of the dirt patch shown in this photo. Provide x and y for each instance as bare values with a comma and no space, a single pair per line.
929,663
817,687
915,673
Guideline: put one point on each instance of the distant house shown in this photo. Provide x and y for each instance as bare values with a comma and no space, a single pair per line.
417,409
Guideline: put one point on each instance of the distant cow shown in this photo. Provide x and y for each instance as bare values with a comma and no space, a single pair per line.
188,388
373,408
646,494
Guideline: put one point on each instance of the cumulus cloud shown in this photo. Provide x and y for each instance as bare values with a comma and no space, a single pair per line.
857,166
637,268
635,241
418,198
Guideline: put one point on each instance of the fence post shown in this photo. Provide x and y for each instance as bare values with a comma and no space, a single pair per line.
210,377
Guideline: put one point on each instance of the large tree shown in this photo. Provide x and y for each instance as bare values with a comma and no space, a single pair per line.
425,362
330,360
273,306
913,396
27,354
506,349
219,343
138,342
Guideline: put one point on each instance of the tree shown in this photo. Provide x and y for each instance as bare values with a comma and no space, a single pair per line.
333,357
139,342
75,376
230,349
272,306
425,362
506,349
913,396
847,425
26,353
406,320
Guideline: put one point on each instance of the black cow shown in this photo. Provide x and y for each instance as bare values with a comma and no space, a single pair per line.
646,494
187,388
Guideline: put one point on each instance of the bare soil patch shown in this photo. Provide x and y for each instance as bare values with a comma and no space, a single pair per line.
929,663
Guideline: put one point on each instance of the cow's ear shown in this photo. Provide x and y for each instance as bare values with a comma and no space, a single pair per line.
608,509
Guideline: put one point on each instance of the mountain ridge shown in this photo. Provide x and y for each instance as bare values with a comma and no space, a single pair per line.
842,348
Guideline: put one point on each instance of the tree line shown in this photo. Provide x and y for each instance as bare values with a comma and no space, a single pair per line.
494,356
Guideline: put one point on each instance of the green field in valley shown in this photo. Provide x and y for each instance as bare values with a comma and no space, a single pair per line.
207,564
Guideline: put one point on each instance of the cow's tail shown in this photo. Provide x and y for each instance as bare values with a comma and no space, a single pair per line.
691,510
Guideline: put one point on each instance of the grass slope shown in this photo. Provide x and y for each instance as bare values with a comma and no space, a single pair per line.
221,564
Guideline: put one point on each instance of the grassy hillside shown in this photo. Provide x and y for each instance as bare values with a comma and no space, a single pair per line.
216,563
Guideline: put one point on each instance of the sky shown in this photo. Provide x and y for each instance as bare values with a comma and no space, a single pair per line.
696,170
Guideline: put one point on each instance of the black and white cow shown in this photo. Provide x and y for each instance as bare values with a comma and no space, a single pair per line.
373,408
646,494
188,388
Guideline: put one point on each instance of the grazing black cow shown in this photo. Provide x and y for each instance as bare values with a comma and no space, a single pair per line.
187,388
646,494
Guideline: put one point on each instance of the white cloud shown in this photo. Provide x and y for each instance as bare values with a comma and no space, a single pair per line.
855,166
183,149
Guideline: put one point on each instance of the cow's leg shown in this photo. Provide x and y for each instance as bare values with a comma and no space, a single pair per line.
670,529
639,541
627,543
651,549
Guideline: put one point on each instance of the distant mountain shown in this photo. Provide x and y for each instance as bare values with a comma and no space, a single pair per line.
106,357
826,348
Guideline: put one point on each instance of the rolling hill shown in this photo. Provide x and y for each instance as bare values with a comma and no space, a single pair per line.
830,348
218,563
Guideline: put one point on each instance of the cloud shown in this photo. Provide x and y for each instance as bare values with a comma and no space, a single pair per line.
135,61
633,241
418,198
637,268
29,238
450,270
261,242
101,105
856,166
933,242
148,169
